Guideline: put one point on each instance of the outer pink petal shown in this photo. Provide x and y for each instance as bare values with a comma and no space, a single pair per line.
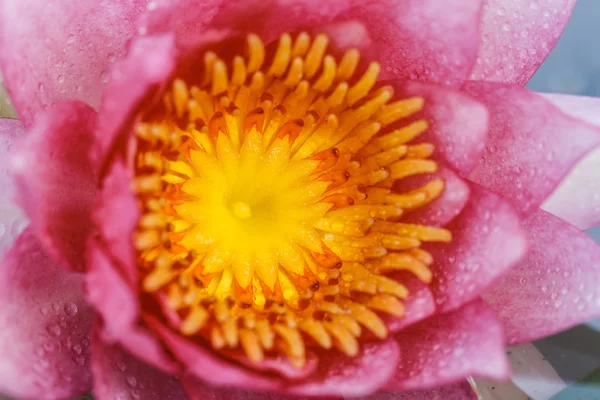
12,221
426,40
45,321
577,198
55,180
487,241
516,37
134,80
119,375
62,50
532,145
459,391
555,287
458,124
446,207
450,347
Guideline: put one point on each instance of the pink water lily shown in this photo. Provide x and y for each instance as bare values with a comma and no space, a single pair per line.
287,199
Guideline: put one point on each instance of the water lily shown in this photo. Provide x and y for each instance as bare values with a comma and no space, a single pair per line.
263,199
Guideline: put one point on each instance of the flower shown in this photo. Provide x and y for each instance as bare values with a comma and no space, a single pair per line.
288,198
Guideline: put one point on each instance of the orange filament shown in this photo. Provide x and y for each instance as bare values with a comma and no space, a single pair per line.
269,220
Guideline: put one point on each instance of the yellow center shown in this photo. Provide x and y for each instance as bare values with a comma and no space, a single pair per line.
270,220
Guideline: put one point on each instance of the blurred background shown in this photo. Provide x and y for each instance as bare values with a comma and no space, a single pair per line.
565,366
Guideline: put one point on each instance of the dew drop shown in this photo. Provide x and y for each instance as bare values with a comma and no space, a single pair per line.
53,329
121,365
104,76
60,79
544,289
131,381
77,349
70,309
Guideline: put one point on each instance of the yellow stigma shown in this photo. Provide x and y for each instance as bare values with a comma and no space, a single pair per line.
271,215
241,210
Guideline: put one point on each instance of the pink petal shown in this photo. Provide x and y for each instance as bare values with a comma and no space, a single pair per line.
62,50
116,215
419,305
531,145
450,347
339,375
414,39
577,198
10,130
459,391
134,80
45,322
119,375
119,308
425,40
487,241
555,287
12,221
458,124
517,35
197,360
198,391
446,207
55,181
279,365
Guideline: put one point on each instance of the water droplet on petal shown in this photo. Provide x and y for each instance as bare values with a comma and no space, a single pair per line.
53,329
70,309
131,381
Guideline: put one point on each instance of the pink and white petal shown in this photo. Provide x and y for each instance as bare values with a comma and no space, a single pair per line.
12,219
458,391
55,181
62,50
584,108
134,80
532,144
517,35
555,287
413,39
339,375
117,304
488,240
447,206
458,124
44,342
196,390
448,348
119,375
577,198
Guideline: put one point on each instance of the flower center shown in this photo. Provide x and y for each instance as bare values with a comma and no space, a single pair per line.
270,219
